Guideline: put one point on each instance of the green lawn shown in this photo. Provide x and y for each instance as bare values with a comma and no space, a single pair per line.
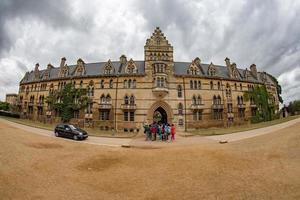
51,127
222,131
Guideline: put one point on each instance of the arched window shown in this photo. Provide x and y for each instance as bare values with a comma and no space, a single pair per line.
102,99
199,100
191,84
81,84
180,109
242,100
194,100
125,83
219,100
211,85
219,86
179,91
238,100
215,100
195,85
102,84
235,86
111,83
241,87
199,85
129,83
134,84
131,100
126,100
108,98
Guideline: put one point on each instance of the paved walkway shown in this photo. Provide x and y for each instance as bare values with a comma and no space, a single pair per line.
140,142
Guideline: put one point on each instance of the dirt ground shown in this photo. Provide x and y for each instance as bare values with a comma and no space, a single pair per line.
39,167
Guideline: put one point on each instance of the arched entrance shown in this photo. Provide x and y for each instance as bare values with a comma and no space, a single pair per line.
162,108
160,115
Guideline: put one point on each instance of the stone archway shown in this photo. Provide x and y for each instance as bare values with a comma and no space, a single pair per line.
163,107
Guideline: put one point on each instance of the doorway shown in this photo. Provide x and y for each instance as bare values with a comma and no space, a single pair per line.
160,115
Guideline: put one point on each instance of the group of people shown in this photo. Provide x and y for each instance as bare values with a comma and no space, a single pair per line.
159,131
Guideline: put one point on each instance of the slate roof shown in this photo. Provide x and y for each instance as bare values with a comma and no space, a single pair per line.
180,68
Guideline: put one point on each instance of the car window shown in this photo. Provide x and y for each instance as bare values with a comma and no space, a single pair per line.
60,126
72,127
66,126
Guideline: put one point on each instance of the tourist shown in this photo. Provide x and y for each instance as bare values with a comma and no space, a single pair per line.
153,131
168,131
159,131
172,132
163,133
147,132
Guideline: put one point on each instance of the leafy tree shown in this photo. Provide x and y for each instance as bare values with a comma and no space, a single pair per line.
266,110
67,100
278,87
4,106
294,107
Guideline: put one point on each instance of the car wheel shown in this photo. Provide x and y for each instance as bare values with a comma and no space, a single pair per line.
75,137
56,134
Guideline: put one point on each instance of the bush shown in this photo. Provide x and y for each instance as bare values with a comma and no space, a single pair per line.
9,114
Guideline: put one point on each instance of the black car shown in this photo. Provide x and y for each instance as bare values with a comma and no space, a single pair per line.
70,131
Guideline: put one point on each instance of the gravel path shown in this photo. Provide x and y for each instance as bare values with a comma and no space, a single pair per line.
180,141
112,142
253,133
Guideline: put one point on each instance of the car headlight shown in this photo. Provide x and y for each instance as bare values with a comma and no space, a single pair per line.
80,133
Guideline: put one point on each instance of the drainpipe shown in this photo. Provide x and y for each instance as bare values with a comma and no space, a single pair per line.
185,128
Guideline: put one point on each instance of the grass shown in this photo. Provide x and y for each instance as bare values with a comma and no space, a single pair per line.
234,129
91,131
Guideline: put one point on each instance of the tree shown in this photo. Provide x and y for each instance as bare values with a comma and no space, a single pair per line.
67,100
278,87
266,109
4,106
294,107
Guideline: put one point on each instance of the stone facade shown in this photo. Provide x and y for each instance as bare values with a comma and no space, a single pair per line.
11,98
128,93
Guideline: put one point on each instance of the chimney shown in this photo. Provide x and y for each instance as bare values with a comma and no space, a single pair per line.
37,65
228,65
197,61
253,70
123,59
80,61
63,61
227,61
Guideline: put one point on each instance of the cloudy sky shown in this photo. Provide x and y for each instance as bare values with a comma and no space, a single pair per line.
266,33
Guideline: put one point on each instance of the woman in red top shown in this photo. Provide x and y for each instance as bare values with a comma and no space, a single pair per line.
172,132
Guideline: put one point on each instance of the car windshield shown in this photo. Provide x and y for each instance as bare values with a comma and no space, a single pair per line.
73,127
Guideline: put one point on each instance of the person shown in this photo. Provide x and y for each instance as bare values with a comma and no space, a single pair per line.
147,132
163,133
153,131
159,131
173,132
168,131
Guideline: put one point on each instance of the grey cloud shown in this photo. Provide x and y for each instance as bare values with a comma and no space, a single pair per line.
251,31
55,13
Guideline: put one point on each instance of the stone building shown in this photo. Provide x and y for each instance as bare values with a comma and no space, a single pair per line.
128,93
11,98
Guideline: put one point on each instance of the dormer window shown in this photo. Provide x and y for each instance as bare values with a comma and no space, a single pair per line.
109,68
211,71
131,67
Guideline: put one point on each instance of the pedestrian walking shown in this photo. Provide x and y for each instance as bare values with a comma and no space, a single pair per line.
173,132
